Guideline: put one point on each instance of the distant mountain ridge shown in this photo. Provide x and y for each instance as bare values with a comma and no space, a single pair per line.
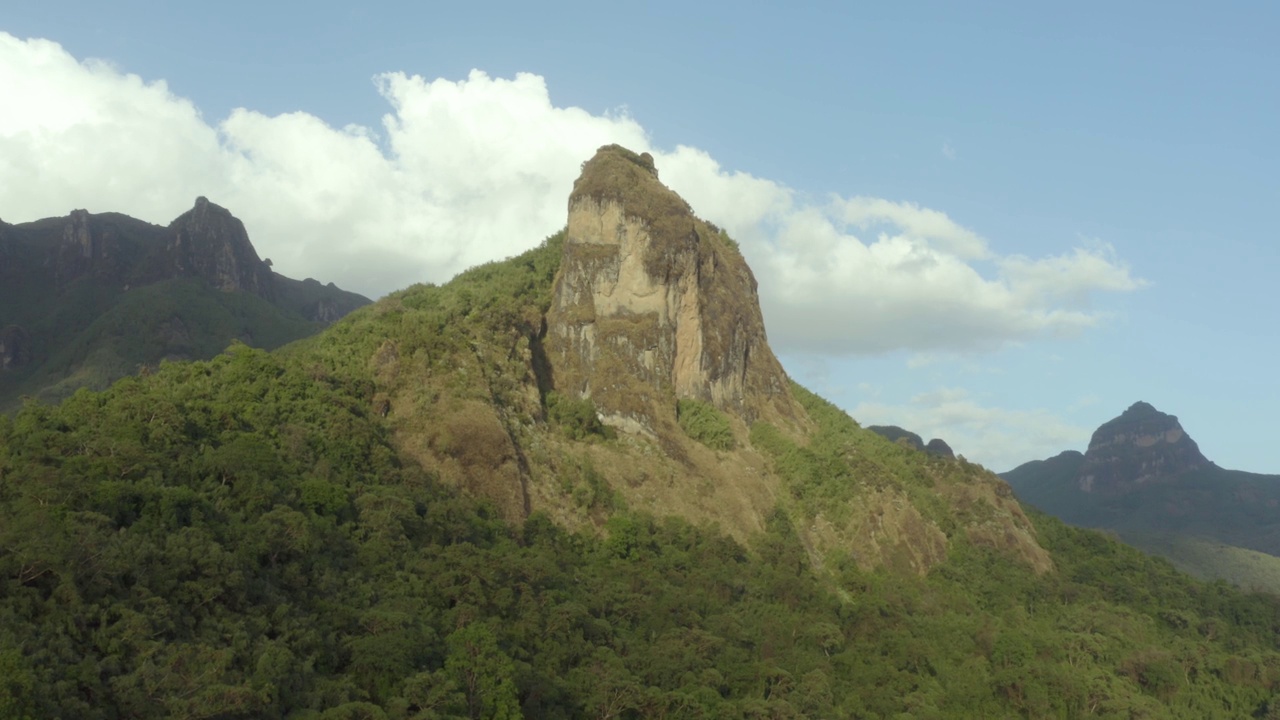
936,446
91,297
1145,478
1141,445
573,483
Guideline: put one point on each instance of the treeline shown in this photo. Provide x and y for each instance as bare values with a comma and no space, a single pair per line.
237,538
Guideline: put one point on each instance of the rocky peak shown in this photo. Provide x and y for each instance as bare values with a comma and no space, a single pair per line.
208,241
652,305
86,247
1141,445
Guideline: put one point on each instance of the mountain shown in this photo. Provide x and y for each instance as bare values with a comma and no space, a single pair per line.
936,446
1146,479
90,298
572,484
645,325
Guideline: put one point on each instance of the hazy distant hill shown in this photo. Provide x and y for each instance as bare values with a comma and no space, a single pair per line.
572,484
936,446
91,298
1145,478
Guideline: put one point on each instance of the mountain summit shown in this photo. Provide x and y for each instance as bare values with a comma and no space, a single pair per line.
373,521
624,363
209,242
91,297
1141,445
653,304
1146,479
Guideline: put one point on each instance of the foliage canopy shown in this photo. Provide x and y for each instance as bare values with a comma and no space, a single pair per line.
242,538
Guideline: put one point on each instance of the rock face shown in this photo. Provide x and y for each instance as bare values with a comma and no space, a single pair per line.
1140,446
59,276
86,247
206,242
209,242
15,350
6,247
652,304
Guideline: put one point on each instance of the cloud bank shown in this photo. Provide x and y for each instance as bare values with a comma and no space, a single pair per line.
466,171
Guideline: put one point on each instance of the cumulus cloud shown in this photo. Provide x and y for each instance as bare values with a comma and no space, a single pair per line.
998,438
917,284
465,171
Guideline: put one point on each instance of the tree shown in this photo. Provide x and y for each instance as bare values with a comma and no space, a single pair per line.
483,672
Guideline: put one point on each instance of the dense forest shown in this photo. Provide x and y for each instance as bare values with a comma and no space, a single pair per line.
242,538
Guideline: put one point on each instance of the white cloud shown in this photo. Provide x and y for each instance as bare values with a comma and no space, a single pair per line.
916,285
465,171
998,438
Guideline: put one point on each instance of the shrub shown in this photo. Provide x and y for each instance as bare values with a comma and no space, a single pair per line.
576,417
705,424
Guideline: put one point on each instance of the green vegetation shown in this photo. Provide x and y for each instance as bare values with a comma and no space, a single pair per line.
184,319
1211,560
577,418
1210,522
92,316
237,538
842,461
263,535
704,423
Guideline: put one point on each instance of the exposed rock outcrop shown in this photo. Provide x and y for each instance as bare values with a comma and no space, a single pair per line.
209,242
67,273
652,304
1140,446
87,247
15,347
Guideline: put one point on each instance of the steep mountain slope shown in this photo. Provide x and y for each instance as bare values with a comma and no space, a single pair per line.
436,508
1146,479
92,298
639,310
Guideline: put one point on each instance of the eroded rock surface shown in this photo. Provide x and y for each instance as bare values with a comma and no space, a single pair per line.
653,304
209,242
1141,445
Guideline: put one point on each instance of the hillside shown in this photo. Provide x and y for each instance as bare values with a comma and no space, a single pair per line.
1212,560
623,329
92,298
453,503
1144,478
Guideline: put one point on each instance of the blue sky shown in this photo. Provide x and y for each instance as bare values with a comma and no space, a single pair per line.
997,223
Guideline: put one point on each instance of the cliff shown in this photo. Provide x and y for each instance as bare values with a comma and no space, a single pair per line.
90,297
624,364
1142,445
652,305
1144,478
209,242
